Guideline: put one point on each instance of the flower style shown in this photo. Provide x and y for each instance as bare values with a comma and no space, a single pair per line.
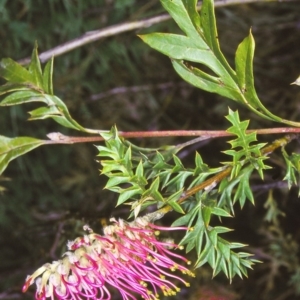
127,257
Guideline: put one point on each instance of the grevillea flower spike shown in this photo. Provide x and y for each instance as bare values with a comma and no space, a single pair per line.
128,257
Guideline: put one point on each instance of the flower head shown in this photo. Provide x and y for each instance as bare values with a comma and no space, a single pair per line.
128,257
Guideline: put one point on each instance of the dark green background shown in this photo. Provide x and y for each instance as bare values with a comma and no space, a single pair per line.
52,191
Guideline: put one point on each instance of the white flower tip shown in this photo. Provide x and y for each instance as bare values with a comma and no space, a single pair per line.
70,245
87,228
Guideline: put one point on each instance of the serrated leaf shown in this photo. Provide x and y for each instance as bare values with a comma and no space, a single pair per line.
243,150
292,167
176,207
201,167
172,201
225,191
155,185
11,148
178,165
109,166
244,190
177,182
236,245
213,236
273,212
116,180
206,214
187,219
139,170
221,229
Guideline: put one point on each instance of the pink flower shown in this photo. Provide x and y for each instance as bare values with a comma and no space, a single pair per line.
128,257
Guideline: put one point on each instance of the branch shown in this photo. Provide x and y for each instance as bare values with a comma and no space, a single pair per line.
59,138
96,35
214,180
136,89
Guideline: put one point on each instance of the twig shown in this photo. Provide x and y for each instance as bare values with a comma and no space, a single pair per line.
224,173
59,138
214,180
56,240
96,35
135,89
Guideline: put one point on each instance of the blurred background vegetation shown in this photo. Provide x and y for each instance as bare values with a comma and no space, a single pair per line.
48,194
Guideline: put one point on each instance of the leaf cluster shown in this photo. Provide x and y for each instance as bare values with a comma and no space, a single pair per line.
209,246
144,177
148,176
292,175
200,45
32,84
242,152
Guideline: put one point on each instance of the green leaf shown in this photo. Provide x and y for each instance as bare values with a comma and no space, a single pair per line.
115,181
244,190
35,68
209,27
244,71
32,85
11,148
204,81
225,190
20,97
272,210
126,194
218,254
177,182
12,87
187,219
48,77
172,201
56,109
200,44
181,15
14,72
246,152
176,207
140,170
220,212
61,115
191,7
292,168
126,165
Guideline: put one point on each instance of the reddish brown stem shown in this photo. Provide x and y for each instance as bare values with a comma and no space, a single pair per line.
214,180
210,133
58,138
